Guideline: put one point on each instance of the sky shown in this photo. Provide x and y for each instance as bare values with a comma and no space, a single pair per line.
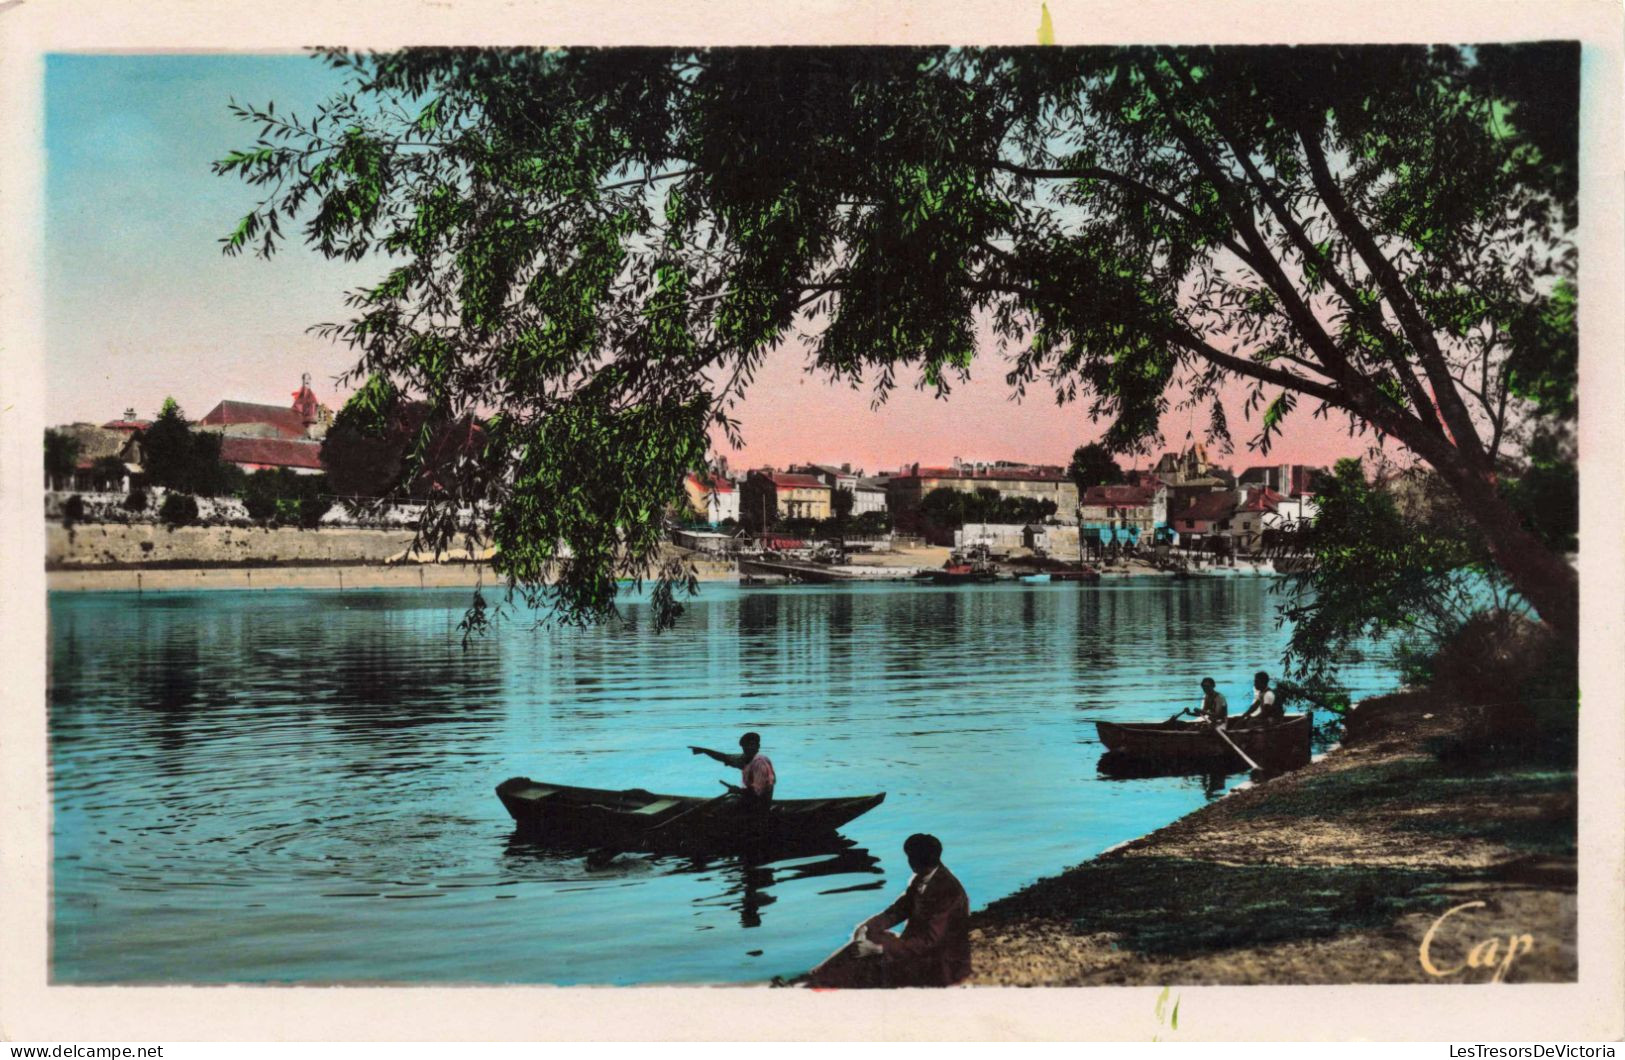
141,304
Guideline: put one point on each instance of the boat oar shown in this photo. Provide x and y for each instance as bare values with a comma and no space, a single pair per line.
1226,738
604,855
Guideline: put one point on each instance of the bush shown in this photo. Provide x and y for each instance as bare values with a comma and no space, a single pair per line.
73,510
178,509
1516,680
281,496
311,510
136,501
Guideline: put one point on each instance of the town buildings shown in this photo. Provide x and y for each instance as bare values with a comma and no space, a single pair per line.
1288,480
1142,507
868,494
769,496
909,487
258,437
712,498
96,450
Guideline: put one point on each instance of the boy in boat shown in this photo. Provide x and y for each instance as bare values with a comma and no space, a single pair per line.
1215,709
756,776
934,948
1265,703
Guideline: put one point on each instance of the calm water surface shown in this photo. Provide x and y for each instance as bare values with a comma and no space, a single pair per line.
297,785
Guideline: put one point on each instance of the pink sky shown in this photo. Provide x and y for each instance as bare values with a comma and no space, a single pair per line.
791,416
788,416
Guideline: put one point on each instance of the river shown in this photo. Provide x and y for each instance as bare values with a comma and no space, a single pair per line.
296,786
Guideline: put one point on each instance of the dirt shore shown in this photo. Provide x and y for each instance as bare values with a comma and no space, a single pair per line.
1333,874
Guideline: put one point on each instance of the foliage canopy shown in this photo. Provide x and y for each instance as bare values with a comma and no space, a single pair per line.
597,248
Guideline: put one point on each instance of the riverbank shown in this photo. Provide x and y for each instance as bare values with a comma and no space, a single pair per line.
145,557
339,576
1333,874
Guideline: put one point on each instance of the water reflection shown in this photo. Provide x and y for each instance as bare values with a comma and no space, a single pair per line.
746,878
1114,765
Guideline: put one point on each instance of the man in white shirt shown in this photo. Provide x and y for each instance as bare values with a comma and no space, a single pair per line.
1265,704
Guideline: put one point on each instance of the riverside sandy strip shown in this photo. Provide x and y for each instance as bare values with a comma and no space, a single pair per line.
1381,863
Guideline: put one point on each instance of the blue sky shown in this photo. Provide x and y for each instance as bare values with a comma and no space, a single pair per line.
140,303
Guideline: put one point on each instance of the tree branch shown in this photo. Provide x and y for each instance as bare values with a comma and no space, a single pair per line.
1111,176
1311,252
1451,408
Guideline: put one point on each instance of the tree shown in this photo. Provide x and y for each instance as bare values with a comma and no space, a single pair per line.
841,502
1092,465
872,523
177,457
604,244
61,458
946,508
166,447
1396,561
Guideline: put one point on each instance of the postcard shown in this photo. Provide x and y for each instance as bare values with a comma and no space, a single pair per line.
958,521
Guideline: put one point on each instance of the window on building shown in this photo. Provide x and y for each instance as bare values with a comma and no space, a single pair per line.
1225,525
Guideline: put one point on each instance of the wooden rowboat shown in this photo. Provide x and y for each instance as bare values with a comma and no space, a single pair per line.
642,820
1284,745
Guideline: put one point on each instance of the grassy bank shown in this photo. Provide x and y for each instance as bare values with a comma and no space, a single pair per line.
1332,874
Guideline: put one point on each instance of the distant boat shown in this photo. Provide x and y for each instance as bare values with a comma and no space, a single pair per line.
641,820
1036,579
1284,745
1076,574
975,564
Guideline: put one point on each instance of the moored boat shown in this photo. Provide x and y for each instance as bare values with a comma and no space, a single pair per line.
642,820
1075,574
1283,745
975,564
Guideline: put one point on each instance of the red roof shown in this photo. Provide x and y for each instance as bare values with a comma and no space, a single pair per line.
711,485
126,425
787,480
271,452
284,419
1122,496
1005,474
1208,507
1260,500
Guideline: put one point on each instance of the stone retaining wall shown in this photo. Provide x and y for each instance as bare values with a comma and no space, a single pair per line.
93,545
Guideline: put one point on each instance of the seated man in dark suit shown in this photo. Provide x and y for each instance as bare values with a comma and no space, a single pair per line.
934,948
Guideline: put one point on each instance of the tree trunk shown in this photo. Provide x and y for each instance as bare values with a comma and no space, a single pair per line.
1541,576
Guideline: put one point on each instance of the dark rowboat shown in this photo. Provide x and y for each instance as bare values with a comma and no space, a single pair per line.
1284,745
1073,574
642,820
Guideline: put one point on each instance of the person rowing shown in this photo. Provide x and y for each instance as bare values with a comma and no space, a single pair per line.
1266,704
1215,709
756,776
